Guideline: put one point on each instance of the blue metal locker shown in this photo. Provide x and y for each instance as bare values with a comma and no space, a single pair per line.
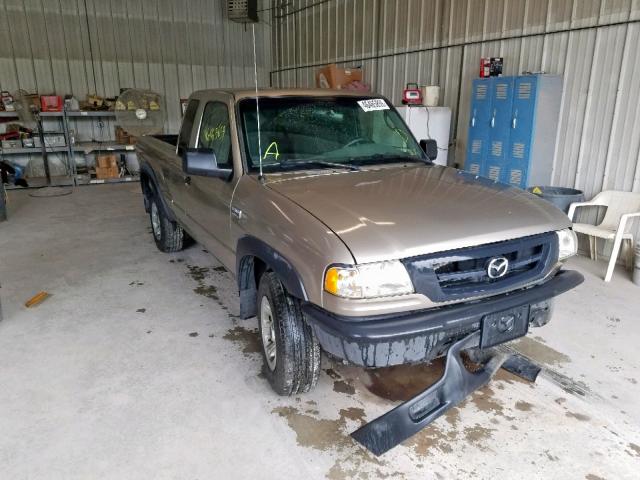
502,100
513,129
478,138
522,122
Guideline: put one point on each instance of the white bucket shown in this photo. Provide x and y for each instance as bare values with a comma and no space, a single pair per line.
430,95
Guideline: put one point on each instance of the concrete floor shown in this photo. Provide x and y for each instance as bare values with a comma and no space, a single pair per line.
137,367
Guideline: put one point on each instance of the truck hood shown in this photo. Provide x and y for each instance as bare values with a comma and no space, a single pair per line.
396,212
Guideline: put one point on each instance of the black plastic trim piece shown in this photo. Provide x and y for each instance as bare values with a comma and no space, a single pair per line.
146,169
408,418
422,269
249,246
384,327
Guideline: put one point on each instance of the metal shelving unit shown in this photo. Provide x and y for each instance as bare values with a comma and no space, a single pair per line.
84,148
33,150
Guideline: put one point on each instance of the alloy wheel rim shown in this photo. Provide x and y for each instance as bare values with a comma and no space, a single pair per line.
267,329
155,220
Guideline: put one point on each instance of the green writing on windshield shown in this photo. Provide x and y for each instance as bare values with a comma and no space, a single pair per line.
272,150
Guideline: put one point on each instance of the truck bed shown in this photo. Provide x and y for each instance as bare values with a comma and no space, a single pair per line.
171,139
153,148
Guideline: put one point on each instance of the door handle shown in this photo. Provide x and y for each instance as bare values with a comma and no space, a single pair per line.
187,180
514,123
473,121
236,212
493,121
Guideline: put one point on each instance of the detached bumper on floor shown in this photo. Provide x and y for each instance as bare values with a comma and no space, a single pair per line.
386,340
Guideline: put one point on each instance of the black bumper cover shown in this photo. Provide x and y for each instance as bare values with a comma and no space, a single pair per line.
379,341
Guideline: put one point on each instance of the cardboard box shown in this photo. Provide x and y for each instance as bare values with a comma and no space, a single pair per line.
108,172
122,137
106,161
335,77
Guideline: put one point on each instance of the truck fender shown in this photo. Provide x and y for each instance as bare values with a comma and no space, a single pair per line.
249,249
150,185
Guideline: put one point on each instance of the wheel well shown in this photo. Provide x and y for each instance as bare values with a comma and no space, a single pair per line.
146,183
147,189
251,270
259,268
254,258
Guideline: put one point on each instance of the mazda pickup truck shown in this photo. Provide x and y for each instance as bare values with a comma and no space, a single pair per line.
345,238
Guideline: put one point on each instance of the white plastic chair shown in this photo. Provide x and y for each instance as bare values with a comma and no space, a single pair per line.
621,206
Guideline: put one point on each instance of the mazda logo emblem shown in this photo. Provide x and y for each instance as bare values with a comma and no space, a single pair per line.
497,267
506,323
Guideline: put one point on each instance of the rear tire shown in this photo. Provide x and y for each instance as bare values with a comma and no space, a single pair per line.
290,350
168,235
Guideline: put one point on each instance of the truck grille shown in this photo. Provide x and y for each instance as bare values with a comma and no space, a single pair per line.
464,273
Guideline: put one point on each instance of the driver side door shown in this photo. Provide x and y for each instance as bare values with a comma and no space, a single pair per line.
208,199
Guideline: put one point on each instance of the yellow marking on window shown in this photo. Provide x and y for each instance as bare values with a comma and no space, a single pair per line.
212,134
269,152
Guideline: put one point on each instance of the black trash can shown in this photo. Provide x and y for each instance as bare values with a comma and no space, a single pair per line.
561,197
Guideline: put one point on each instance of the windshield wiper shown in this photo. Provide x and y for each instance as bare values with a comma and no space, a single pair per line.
385,157
319,163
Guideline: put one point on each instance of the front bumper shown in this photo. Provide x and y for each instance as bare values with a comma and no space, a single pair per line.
412,337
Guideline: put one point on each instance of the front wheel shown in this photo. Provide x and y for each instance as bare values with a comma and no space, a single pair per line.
168,235
291,351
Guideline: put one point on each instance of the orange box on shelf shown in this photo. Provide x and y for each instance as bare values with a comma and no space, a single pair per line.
108,172
335,77
107,161
122,137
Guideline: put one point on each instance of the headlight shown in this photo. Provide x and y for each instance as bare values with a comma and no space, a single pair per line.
567,243
381,279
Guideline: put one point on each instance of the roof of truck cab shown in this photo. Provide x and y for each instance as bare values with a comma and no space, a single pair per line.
239,94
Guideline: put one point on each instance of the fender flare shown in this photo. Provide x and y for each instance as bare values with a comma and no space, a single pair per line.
248,248
147,171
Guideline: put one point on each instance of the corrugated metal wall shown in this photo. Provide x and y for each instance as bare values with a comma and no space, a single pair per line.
441,41
594,44
99,46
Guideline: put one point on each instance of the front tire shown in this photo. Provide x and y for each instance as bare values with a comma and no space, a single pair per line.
168,235
290,350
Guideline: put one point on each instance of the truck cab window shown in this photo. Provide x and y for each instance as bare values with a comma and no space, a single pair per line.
187,126
214,133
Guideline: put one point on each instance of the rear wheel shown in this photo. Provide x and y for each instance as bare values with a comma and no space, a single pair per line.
290,350
168,235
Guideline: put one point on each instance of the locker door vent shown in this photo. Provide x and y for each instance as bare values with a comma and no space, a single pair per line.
516,177
481,91
474,168
524,90
496,149
518,150
501,91
494,172
476,147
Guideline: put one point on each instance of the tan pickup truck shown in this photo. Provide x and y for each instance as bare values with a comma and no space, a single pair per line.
345,237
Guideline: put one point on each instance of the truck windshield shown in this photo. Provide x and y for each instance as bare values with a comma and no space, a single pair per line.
325,132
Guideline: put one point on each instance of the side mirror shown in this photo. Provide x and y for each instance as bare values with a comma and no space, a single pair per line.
202,162
430,147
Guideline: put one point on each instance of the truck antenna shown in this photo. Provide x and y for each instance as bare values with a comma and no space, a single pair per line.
255,77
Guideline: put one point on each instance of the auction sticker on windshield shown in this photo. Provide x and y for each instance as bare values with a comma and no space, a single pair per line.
372,104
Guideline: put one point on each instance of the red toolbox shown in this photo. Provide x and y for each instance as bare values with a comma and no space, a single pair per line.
50,103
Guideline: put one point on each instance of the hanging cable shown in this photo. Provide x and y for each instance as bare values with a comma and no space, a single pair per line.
255,77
